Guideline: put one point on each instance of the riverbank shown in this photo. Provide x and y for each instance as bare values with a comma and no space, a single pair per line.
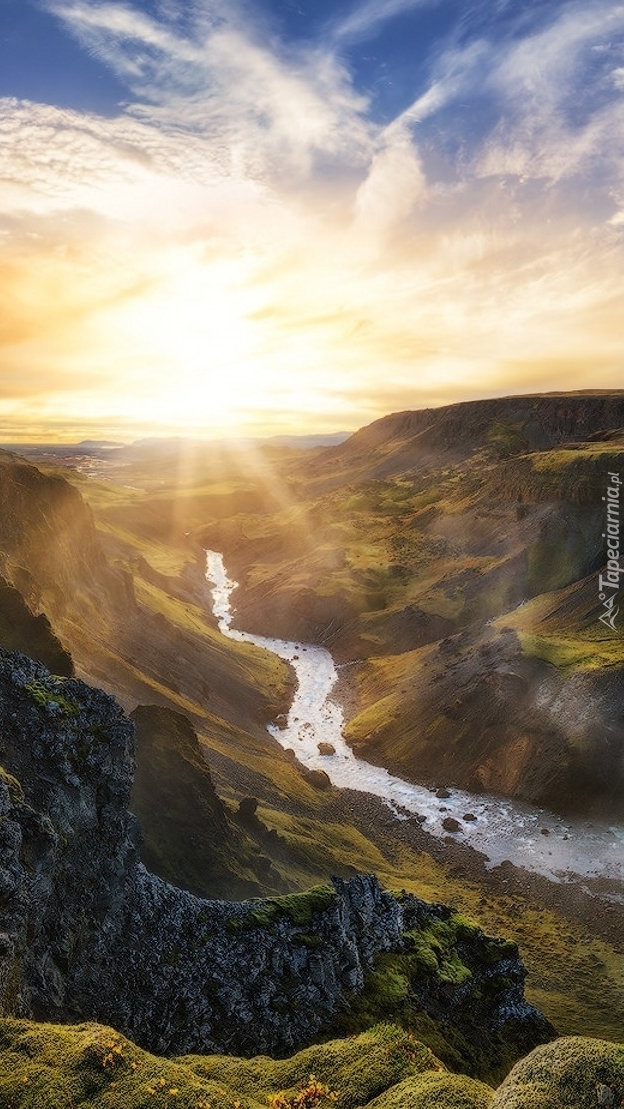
569,929
502,828
595,902
586,902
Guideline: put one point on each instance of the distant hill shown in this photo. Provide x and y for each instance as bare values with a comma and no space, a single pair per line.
461,547
412,441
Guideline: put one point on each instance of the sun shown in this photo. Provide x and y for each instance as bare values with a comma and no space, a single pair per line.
194,347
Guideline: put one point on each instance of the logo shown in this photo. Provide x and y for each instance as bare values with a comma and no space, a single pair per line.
609,615
609,579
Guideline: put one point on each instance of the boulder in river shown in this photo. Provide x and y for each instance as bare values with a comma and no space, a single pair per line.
326,749
317,778
443,793
450,824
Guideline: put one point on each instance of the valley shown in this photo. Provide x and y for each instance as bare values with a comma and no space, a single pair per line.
449,559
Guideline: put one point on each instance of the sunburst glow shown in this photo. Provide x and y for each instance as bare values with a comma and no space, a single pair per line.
284,226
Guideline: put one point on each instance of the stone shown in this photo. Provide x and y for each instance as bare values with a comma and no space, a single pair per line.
317,778
450,824
247,810
326,749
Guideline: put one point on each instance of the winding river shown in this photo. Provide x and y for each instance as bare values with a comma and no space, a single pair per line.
502,828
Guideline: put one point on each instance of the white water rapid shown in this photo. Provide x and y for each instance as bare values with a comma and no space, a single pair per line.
503,829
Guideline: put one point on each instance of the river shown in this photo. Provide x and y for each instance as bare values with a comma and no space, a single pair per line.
572,850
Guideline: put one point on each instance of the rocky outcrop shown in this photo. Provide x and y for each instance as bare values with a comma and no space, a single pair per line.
88,933
21,630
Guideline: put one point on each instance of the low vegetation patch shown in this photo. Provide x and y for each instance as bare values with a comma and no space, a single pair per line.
298,907
51,697
577,1073
92,1067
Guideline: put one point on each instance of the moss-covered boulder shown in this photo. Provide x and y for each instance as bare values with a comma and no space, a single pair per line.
574,1072
436,1091
90,1066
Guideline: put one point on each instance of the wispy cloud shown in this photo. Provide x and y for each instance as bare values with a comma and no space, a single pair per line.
218,78
365,19
556,120
395,184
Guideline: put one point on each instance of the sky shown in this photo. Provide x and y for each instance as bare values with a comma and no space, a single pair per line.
226,217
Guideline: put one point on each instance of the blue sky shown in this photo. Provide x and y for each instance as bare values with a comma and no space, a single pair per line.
288,215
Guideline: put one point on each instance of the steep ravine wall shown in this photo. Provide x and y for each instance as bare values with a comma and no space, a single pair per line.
87,933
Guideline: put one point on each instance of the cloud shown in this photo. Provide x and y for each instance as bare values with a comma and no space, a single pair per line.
244,237
556,120
219,78
394,185
366,19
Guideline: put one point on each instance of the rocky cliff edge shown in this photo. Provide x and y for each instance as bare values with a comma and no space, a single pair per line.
86,933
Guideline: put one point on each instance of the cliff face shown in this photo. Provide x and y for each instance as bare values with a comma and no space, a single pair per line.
49,547
88,933
483,714
505,426
189,836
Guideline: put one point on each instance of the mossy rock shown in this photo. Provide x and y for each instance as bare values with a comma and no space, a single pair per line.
298,907
89,1066
574,1072
48,695
436,1091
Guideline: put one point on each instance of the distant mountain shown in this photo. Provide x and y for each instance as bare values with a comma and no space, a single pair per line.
306,442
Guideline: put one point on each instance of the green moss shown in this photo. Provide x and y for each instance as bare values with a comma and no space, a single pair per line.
434,952
389,986
358,1068
573,1072
46,695
436,1091
310,941
298,907
16,792
89,1066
